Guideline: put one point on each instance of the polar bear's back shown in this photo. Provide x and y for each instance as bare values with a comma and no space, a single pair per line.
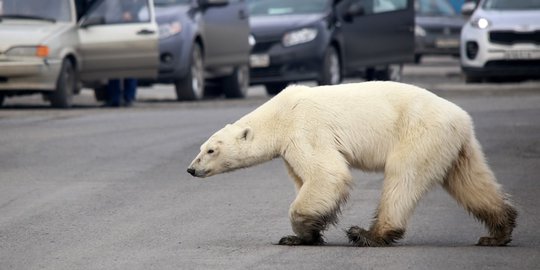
371,117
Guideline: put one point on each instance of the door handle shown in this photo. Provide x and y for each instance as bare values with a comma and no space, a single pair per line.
146,32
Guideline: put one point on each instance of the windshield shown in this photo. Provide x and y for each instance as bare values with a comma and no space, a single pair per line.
286,7
170,2
49,10
512,4
434,8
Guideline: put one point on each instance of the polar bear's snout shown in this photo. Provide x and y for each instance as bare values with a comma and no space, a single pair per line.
191,171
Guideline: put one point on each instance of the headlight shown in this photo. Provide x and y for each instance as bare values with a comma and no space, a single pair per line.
481,23
252,41
419,31
299,36
169,29
28,51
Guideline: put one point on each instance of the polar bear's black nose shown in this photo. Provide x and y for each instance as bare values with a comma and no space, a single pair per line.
191,171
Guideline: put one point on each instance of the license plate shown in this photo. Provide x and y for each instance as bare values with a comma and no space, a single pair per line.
522,55
447,43
259,60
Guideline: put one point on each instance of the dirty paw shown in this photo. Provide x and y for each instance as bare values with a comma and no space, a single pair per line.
292,240
490,241
363,238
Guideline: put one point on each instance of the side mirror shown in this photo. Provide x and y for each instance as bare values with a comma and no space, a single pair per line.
468,8
90,21
209,3
354,10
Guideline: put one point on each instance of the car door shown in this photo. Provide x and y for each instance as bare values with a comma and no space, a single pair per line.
226,31
377,32
119,39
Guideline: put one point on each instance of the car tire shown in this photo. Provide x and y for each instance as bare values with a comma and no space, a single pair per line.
273,89
473,79
417,58
66,84
331,70
2,97
236,85
191,87
100,93
392,72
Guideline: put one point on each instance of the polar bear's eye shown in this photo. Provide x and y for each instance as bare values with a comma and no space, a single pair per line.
210,151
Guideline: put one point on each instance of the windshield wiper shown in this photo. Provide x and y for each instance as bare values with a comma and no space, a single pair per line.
25,17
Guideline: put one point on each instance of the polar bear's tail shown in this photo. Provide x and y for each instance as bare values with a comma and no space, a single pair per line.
471,182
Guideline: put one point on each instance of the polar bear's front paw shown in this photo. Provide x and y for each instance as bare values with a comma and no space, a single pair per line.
293,240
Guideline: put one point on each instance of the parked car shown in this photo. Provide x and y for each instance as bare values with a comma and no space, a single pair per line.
51,47
204,47
437,30
327,40
501,41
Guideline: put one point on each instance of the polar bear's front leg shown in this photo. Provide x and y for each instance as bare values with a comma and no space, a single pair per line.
321,192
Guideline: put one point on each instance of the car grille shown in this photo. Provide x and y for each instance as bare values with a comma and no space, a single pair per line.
511,37
271,71
263,47
443,30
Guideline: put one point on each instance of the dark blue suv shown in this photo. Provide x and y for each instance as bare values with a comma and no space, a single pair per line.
204,43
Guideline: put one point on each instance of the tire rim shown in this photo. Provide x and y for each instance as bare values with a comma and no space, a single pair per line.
197,79
396,72
335,74
242,78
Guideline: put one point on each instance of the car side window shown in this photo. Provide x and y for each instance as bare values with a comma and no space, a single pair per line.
121,11
380,6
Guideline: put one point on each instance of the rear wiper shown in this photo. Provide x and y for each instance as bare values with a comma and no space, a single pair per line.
25,17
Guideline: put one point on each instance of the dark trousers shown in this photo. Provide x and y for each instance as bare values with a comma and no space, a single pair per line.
116,94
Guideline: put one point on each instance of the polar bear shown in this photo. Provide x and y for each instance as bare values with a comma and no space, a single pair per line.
415,137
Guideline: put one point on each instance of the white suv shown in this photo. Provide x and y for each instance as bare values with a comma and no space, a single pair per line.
501,40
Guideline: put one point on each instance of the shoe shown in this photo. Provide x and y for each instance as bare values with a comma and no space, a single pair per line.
110,105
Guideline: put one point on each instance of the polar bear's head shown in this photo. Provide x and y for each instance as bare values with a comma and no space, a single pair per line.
226,150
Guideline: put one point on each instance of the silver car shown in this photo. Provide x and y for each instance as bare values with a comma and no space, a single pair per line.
501,41
54,47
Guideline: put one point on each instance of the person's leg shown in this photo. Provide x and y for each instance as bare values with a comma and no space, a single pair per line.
130,91
114,90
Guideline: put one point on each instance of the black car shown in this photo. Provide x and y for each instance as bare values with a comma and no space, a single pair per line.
327,40
204,42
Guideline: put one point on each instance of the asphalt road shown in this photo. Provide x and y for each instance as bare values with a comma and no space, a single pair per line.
94,188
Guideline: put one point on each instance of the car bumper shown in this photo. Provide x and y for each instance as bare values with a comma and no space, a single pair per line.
505,68
287,64
437,44
496,59
173,58
28,74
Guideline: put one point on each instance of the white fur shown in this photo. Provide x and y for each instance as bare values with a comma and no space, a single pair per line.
410,134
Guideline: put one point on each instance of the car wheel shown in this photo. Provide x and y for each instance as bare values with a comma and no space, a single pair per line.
100,93
66,83
473,79
391,72
274,88
417,58
331,73
191,87
236,85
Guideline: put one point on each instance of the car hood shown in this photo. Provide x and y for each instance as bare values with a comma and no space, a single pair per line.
19,32
276,26
519,20
167,13
441,21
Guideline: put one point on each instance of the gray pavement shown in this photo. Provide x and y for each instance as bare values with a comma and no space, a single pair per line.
93,188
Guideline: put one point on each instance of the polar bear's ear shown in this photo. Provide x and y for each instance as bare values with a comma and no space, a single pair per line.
246,134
